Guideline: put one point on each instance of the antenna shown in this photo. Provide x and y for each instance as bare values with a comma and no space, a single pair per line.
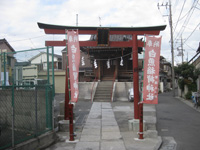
100,21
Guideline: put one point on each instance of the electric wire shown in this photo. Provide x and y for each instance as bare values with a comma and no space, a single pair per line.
28,38
190,47
179,15
191,33
186,20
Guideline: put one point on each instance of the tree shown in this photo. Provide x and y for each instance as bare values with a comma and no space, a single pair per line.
187,74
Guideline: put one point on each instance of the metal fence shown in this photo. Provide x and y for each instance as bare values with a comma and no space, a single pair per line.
25,113
28,67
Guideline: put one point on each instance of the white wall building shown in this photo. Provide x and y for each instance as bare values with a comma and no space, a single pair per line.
41,61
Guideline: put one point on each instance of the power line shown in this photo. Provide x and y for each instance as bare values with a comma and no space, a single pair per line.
186,20
190,47
175,5
191,33
179,15
28,38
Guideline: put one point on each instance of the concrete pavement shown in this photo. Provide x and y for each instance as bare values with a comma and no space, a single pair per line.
106,128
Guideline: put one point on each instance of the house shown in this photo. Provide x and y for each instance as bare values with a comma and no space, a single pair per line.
196,63
18,72
9,61
40,60
165,74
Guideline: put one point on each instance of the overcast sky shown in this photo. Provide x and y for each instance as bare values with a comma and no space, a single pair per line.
18,21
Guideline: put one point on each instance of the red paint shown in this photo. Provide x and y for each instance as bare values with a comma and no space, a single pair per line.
141,121
134,44
151,70
63,31
71,126
74,62
66,96
94,43
135,76
153,32
55,43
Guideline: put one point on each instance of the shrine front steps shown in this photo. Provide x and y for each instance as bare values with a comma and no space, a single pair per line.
103,92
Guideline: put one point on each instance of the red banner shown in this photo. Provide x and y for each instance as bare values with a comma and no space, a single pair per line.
74,62
151,70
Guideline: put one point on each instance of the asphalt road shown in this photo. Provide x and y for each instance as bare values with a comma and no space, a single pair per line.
178,120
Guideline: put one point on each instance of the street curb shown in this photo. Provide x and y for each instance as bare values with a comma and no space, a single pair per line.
168,143
187,102
159,143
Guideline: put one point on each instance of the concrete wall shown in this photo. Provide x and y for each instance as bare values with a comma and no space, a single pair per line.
121,91
59,77
182,93
85,89
24,109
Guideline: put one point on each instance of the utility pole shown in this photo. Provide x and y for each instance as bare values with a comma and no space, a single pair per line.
172,43
76,19
182,49
172,47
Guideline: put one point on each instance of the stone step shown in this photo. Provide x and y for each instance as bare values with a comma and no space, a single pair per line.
101,100
103,91
102,94
102,97
104,83
104,88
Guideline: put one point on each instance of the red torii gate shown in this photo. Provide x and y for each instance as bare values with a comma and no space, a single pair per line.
134,43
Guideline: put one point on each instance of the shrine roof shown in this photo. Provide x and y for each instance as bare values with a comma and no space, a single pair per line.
60,27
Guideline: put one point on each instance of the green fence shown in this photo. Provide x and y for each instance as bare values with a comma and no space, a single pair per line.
25,113
29,67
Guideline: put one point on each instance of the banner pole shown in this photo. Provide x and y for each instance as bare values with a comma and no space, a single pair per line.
135,76
67,94
141,132
141,121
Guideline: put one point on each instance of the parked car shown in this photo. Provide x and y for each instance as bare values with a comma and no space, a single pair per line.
32,83
130,95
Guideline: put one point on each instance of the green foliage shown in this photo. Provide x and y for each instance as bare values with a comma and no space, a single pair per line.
192,87
181,84
186,71
187,75
188,95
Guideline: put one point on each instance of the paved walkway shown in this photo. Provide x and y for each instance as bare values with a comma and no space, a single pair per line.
107,128
101,131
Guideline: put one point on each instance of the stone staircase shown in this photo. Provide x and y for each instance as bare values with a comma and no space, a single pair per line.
103,92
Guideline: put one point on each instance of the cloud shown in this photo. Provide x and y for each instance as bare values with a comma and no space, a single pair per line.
20,17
